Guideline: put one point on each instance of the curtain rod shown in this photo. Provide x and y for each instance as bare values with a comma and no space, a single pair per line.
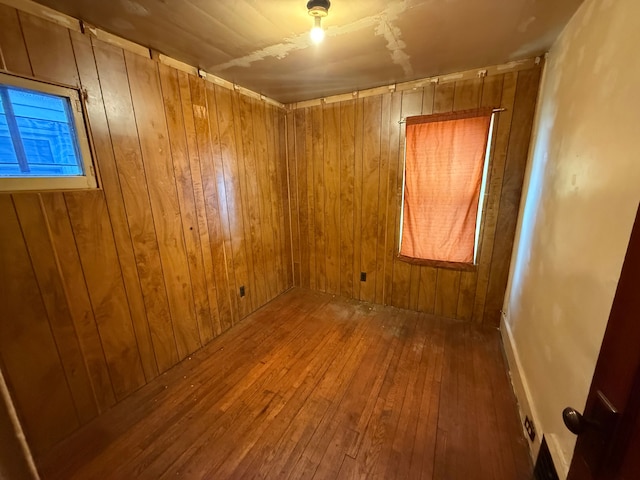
495,110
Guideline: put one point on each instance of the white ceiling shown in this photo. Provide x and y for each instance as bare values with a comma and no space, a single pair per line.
265,46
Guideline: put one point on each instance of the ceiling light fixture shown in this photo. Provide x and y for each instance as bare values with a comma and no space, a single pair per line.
318,9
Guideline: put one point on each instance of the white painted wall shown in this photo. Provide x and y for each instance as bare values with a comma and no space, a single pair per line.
581,195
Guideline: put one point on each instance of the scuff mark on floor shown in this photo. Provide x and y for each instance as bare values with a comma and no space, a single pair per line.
383,24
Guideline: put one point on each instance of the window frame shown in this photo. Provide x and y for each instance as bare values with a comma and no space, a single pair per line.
482,199
89,179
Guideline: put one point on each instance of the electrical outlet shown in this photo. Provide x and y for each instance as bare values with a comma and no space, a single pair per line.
242,291
363,276
531,430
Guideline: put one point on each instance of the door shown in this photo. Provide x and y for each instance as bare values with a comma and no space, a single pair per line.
609,431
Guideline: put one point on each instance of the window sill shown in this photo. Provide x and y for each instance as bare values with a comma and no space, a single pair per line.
47,184
464,267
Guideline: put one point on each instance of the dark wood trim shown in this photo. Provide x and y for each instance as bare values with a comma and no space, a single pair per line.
463,267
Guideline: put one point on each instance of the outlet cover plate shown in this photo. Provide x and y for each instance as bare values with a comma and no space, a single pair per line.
531,430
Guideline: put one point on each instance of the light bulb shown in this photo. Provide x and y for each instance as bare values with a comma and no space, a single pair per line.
317,33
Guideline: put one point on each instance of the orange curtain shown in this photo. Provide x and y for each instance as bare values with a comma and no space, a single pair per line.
443,175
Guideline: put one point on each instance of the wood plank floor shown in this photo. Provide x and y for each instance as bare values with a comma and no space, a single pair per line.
314,386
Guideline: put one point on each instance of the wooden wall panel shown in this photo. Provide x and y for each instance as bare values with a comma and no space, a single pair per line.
184,185
98,256
502,129
28,350
224,309
294,201
235,206
103,290
278,171
523,112
347,174
357,198
132,179
80,306
370,194
402,271
223,257
265,212
203,185
331,147
46,264
14,52
156,158
383,197
299,164
104,155
318,198
369,141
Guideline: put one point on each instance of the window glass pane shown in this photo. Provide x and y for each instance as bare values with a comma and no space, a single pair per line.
8,160
46,132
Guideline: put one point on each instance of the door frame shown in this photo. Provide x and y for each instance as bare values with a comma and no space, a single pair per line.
617,376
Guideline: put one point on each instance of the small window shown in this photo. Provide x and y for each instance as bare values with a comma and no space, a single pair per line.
43,138
446,165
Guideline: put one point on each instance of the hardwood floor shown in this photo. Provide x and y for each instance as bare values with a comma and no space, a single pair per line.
314,386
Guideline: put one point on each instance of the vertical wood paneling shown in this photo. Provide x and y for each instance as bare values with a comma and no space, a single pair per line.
251,184
394,182
30,360
311,185
523,112
357,198
215,247
280,152
228,302
372,115
132,179
78,297
186,198
104,156
94,238
370,144
156,156
347,175
294,197
301,167
263,199
332,220
46,265
14,52
107,288
317,154
502,129
244,149
491,97
401,283
52,57
42,38
383,198
272,189
235,209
